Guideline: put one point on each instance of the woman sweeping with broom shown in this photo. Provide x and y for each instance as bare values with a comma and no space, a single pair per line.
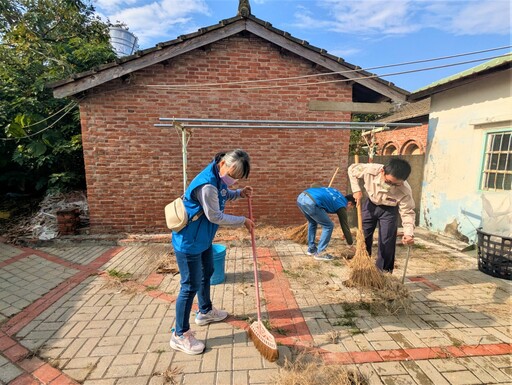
205,197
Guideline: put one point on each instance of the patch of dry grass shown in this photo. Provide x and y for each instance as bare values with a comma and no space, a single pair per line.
119,285
334,336
169,376
166,264
307,270
394,296
310,370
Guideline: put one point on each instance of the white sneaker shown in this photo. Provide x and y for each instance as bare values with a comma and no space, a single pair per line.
186,343
213,315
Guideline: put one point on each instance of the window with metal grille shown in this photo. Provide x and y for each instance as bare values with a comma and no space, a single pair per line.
497,172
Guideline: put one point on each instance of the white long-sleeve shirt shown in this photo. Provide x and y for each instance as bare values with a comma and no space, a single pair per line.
368,174
208,197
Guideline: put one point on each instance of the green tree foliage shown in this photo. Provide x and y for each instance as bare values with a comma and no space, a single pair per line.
42,41
357,144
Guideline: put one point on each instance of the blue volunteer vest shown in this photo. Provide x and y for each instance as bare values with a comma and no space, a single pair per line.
328,198
198,235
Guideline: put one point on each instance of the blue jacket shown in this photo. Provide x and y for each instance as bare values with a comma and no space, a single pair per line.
198,235
328,198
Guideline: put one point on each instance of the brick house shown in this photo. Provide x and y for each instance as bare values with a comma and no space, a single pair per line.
404,141
134,168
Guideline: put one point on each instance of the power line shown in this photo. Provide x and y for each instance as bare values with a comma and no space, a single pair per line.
171,87
69,107
193,85
51,116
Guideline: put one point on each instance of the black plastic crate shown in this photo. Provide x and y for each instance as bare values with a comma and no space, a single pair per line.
495,255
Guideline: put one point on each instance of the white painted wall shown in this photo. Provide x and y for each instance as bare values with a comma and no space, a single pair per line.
459,120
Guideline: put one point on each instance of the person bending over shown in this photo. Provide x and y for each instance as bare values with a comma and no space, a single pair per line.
316,203
389,195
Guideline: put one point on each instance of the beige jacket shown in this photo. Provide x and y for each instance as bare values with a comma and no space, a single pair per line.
368,175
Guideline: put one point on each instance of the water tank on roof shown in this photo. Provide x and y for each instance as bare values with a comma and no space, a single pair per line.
123,41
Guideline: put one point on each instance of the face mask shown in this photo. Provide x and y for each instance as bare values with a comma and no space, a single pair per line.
385,186
228,180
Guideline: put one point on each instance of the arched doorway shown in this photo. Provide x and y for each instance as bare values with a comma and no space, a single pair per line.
390,149
411,148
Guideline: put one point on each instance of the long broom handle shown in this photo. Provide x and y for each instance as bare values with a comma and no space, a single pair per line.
406,262
334,176
254,258
359,210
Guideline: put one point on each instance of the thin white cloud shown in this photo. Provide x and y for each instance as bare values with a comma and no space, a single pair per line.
399,17
360,17
112,5
158,19
483,17
345,52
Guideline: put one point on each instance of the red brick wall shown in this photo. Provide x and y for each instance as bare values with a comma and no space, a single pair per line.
134,169
401,138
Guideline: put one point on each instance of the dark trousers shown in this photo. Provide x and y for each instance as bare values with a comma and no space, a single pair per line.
387,219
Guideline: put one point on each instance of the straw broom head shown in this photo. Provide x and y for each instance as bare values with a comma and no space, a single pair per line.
299,234
364,272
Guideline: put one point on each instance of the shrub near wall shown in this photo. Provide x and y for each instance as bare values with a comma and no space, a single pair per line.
134,168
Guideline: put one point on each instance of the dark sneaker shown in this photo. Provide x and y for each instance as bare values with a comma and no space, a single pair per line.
323,257
187,343
213,315
311,251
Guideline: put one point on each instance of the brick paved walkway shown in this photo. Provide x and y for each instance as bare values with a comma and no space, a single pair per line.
62,321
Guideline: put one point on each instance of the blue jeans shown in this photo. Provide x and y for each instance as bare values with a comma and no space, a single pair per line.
196,271
315,216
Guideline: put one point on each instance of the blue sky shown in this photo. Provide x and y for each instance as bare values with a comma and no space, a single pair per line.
367,33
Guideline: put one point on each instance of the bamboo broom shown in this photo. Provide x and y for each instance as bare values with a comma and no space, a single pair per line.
364,273
263,340
300,234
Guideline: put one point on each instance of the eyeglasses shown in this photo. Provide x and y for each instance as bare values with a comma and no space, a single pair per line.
392,183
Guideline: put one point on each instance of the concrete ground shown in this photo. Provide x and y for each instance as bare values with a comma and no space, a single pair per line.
93,314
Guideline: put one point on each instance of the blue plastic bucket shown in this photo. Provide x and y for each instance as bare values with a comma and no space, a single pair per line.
219,262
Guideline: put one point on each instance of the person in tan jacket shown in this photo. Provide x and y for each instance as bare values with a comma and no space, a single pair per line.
389,195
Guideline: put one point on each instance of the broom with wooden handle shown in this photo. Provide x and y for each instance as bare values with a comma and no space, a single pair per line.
300,234
263,340
364,273
406,262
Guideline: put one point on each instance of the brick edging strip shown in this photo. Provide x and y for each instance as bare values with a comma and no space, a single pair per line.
280,301
23,318
16,258
36,371
284,312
